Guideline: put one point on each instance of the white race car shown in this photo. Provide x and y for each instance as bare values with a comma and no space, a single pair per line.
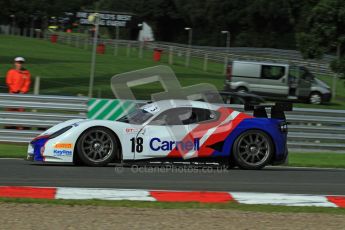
170,129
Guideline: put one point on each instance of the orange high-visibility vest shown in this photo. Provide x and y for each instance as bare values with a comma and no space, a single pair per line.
18,81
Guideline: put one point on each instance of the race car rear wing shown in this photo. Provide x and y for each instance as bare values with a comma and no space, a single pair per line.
277,110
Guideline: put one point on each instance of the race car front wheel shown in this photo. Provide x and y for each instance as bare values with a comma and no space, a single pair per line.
253,149
97,147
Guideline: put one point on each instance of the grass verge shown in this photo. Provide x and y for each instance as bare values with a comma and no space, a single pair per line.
13,151
181,205
323,160
65,69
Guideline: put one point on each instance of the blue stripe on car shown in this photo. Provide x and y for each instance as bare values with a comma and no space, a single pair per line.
270,126
37,145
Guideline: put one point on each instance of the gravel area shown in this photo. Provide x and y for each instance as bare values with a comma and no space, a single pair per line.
45,216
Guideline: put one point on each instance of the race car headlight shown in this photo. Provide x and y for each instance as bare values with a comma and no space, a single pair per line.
59,132
283,127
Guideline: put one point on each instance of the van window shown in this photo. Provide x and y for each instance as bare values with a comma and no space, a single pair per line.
272,72
246,70
305,74
293,75
293,72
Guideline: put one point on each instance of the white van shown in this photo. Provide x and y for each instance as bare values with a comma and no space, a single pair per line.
276,81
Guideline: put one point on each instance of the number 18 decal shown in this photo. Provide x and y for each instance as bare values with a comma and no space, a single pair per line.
137,144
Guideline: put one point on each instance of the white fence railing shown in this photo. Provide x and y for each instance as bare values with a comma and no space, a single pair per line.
205,54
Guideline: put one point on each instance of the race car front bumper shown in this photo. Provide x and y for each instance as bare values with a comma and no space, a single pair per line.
36,148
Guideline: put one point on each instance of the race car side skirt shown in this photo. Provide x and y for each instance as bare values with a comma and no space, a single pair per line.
176,161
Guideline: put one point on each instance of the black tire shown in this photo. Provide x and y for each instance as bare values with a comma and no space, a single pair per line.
97,147
253,149
232,163
241,89
315,98
77,161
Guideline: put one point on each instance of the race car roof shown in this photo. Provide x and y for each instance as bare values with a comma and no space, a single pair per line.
168,104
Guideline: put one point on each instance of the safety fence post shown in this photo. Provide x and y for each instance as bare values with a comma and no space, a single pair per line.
69,39
116,47
86,42
129,49
225,64
334,85
37,85
77,41
187,58
46,35
31,32
171,55
141,47
205,62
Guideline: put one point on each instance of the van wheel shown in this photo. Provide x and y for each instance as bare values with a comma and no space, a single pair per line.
241,90
315,98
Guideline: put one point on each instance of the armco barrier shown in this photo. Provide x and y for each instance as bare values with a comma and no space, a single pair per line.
309,129
320,130
40,112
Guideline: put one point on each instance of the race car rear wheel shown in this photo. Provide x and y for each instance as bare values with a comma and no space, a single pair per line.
97,147
253,149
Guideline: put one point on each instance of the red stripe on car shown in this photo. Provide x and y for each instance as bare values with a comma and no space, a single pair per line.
221,133
200,131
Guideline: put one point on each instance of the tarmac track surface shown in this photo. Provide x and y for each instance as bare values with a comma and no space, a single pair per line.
18,172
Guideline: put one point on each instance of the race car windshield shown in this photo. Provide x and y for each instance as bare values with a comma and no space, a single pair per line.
136,117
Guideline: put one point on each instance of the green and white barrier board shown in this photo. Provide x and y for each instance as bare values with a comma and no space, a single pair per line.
107,109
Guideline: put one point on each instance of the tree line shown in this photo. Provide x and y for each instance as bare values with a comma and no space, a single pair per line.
254,23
